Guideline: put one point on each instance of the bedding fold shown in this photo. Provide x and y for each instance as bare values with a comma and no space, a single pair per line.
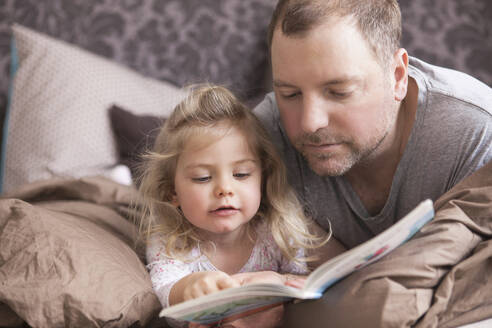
68,256
439,278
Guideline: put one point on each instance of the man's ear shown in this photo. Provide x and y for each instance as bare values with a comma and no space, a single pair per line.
400,73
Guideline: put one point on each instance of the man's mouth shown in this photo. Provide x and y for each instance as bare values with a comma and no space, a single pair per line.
320,144
323,146
319,141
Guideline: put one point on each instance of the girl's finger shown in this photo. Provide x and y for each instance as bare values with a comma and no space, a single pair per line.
296,283
227,283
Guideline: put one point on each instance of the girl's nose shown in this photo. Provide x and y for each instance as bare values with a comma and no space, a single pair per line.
223,189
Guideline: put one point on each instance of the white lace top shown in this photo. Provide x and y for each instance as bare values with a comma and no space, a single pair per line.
266,255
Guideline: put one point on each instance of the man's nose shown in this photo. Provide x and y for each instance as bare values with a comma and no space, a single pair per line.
315,114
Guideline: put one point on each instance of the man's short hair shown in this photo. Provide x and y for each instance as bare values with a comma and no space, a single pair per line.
379,21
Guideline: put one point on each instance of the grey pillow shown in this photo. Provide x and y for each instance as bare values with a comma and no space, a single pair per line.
134,135
58,122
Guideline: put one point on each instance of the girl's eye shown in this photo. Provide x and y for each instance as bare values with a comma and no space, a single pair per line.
201,179
290,95
241,175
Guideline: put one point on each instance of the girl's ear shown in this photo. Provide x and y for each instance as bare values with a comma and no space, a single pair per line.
174,200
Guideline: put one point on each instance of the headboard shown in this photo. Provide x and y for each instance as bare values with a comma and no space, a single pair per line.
451,33
224,41
220,41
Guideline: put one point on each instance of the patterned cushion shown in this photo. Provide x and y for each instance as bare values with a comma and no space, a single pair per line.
58,121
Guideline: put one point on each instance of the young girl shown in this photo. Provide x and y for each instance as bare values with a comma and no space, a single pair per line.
216,202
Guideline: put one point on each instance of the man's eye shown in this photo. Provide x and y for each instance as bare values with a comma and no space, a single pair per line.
241,175
340,94
201,179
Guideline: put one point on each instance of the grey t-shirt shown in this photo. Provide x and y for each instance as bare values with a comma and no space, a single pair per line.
450,139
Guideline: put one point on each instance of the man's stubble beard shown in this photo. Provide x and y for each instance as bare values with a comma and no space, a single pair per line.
339,164
331,164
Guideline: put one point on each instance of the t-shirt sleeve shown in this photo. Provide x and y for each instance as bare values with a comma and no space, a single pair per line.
164,271
267,112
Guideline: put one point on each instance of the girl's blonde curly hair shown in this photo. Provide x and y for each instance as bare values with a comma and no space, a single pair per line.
204,108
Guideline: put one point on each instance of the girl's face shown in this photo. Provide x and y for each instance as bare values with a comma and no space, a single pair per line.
218,187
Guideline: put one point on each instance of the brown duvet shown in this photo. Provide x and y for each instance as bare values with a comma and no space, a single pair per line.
68,259
440,278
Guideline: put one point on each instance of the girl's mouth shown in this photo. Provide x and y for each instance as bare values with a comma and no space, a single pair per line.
225,211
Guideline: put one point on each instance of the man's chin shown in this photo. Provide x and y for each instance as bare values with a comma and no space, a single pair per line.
328,167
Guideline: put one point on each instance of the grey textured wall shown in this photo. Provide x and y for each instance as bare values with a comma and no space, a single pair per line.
224,41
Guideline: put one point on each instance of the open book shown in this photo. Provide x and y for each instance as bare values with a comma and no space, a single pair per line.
230,304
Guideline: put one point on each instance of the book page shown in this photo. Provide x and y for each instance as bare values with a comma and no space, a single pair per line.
231,303
335,269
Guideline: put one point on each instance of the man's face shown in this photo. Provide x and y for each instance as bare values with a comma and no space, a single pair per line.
335,100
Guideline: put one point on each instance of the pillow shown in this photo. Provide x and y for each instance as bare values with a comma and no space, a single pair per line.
135,134
72,268
57,122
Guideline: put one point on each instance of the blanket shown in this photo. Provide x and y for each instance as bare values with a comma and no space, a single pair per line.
69,257
440,278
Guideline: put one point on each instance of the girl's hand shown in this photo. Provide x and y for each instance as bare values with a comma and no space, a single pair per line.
208,282
295,281
265,319
271,277
198,284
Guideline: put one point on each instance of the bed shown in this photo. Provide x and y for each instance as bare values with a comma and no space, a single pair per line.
91,82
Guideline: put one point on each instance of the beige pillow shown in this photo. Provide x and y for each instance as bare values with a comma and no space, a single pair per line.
58,122
72,270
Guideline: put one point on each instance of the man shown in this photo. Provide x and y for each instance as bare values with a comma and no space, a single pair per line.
367,132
